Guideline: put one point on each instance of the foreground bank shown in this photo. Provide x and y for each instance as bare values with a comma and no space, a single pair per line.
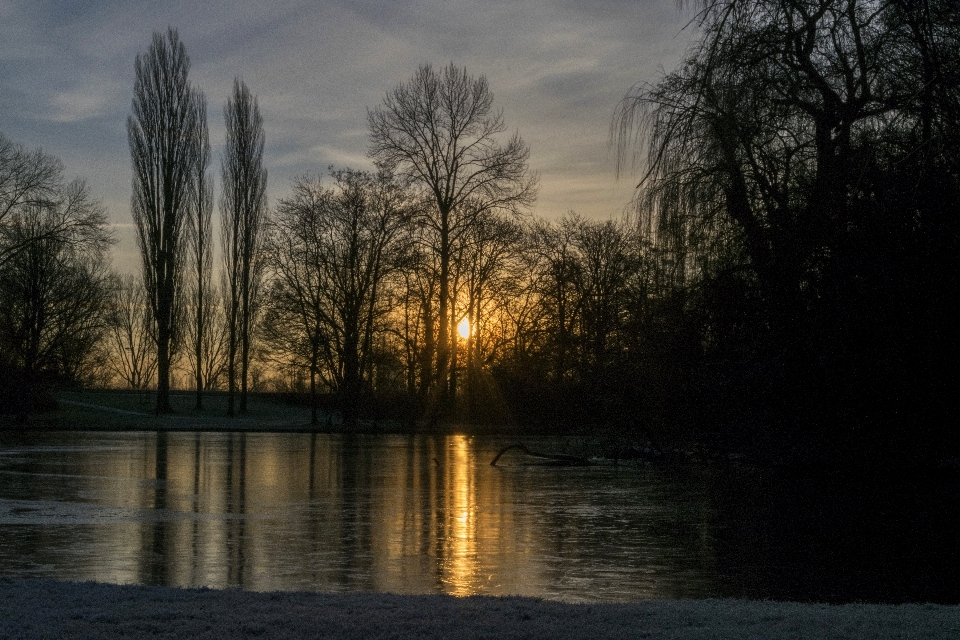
31,609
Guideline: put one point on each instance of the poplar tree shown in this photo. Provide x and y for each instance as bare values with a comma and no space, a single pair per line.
243,207
165,149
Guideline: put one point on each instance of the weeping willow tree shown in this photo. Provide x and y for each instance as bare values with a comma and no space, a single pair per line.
788,147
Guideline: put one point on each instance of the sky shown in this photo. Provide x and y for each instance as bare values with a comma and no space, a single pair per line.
557,68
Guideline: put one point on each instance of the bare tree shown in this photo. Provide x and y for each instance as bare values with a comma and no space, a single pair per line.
132,348
607,263
331,252
55,286
486,264
166,148
26,179
212,341
417,325
200,237
215,341
31,184
296,322
756,144
243,207
440,132
555,267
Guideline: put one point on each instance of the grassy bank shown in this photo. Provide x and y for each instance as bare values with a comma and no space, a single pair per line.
122,410
116,410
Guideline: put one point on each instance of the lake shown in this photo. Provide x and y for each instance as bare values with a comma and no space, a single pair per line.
428,514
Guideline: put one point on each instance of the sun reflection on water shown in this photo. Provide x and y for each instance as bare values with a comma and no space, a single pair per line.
404,514
461,564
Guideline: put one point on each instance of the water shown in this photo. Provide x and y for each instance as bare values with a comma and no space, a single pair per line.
428,514
406,514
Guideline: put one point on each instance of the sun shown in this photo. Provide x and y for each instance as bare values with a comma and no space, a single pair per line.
464,328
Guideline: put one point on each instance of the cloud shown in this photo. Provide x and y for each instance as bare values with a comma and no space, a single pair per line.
78,105
322,156
558,68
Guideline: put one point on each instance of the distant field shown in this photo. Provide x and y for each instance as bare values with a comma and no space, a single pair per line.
134,410
123,410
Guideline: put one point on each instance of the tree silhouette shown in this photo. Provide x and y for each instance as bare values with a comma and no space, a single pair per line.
200,237
54,285
331,253
801,156
132,346
166,148
243,207
32,184
439,131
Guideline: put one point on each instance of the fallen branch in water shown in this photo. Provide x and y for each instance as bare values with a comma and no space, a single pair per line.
556,459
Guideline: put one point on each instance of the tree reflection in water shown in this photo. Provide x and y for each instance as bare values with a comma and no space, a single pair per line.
406,514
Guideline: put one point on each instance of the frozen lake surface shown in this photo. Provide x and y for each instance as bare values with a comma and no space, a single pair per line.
429,515
404,514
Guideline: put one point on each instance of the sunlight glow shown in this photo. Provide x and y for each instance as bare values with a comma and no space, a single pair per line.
464,328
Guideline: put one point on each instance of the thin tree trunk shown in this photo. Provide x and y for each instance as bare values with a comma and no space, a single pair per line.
443,348
469,386
231,367
244,362
245,317
163,373
198,351
426,356
313,388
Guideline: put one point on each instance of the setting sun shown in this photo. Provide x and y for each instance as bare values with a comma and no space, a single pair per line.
464,328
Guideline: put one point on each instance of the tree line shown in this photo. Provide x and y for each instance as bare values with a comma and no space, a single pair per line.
801,174
783,284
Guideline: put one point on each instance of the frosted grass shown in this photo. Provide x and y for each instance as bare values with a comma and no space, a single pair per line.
34,609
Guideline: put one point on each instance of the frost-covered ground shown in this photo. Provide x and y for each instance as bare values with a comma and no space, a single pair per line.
48,609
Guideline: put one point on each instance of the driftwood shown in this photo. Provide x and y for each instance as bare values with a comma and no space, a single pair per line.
552,459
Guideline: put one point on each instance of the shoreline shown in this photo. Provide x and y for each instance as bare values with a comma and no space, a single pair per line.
124,410
34,608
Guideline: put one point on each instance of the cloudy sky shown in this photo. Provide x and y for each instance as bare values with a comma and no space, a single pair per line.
557,68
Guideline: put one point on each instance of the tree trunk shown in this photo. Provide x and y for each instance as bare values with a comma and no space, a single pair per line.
313,389
244,333
244,365
231,367
163,372
452,378
350,383
198,351
426,355
443,347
